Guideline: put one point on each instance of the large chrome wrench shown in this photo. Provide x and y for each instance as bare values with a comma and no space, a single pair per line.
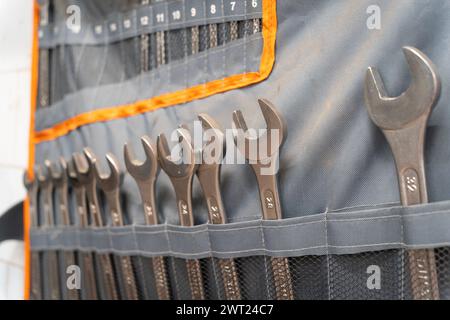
35,264
89,284
60,182
145,174
85,174
52,272
403,121
208,174
110,185
262,154
181,176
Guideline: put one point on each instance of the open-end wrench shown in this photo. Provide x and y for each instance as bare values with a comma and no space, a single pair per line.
88,284
403,121
264,163
181,176
60,183
145,174
208,174
86,175
110,185
35,264
52,271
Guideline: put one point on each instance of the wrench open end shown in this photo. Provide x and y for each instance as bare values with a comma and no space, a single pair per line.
418,100
172,168
275,123
142,170
58,172
111,181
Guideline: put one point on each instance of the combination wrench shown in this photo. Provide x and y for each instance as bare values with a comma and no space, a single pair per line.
181,176
35,262
60,183
262,154
89,284
85,173
51,257
110,185
208,174
403,121
145,174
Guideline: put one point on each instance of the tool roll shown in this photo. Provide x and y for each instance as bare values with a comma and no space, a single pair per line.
115,72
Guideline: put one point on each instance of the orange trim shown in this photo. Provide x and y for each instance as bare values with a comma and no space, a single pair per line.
31,145
182,96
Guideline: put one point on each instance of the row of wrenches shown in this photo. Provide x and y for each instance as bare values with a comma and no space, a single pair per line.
83,175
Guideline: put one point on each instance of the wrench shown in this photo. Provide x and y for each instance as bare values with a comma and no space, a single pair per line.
263,163
110,185
145,174
208,174
89,286
46,187
403,121
60,183
35,285
44,61
85,173
181,176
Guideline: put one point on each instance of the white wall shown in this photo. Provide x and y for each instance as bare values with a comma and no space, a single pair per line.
16,26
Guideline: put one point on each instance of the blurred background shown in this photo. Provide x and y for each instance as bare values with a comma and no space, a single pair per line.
16,27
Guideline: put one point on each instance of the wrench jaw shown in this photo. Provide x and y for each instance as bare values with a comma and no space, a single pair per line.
81,168
58,173
265,147
142,170
391,113
403,121
208,171
179,169
112,181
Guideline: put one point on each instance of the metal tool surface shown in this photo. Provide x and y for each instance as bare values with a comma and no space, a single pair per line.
145,174
89,290
208,174
403,121
60,181
35,262
262,153
85,173
50,257
110,185
181,175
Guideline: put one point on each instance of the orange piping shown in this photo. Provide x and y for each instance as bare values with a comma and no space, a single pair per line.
31,146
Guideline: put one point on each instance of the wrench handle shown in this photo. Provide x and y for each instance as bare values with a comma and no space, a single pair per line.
36,286
89,287
161,280
107,272
129,280
407,145
270,203
230,279
53,275
69,260
195,279
268,194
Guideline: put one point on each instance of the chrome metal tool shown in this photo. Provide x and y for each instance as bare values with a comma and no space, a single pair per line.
208,174
181,175
110,185
85,173
403,121
145,174
262,154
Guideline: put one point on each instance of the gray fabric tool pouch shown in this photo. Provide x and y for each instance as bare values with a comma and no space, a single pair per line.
343,232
